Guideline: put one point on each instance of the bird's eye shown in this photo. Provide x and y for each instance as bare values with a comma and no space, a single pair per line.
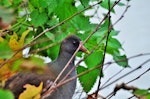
75,43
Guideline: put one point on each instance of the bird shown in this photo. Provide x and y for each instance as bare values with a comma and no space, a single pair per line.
67,48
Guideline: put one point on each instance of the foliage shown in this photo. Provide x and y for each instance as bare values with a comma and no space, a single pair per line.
142,93
35,16
6,94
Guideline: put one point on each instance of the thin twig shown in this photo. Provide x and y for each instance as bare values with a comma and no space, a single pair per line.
112,77
140,66
130,72
44,48
124,12
105,48
139,76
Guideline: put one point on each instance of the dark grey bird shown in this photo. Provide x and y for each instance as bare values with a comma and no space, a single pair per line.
67,48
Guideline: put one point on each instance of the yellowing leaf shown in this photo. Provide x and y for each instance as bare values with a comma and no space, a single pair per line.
5,71
31,92
13,43
16,44
24,34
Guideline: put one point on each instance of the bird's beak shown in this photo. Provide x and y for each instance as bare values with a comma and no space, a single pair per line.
83,49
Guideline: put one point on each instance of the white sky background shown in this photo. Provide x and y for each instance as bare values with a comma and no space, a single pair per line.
135,37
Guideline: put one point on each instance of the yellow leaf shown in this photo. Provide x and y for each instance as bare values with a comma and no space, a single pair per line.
16,44
24,34
13,43
31,92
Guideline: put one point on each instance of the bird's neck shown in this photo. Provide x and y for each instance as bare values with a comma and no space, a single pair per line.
64,58
58,65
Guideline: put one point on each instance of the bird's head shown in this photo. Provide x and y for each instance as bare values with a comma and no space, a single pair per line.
71,43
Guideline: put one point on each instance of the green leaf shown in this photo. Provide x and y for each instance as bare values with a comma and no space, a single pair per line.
61,37
65,10
53,21
88,80
142,93
49,35
43,3
121,4
94,59
113,51
16,65
121,60
34,3
82,23
5,3
114,33
85,3
5,50
53,52
6,94
52,4
17,2
114,43
104,4
38,19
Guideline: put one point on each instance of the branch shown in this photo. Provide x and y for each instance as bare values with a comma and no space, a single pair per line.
130,72
44,48
112,77
125,87
139,76
105,48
